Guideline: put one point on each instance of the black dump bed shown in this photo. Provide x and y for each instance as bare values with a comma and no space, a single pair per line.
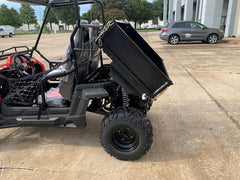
135,65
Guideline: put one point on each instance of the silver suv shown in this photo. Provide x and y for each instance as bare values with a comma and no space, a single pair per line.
190,31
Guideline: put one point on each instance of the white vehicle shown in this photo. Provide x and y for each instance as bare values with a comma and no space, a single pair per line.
6,31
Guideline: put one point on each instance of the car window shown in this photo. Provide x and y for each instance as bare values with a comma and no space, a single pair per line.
181,25
186,25
166,25
176,25
1,29
197,25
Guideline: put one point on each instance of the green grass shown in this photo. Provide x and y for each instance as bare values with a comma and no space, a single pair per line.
64,31
47,32
25,32
147,30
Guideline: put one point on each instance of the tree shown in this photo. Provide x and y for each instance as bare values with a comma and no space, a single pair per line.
85,16
115,4
27,15
158,9
52,18
139,11
66,15
114,14
15,20
4,14
95,11
9,17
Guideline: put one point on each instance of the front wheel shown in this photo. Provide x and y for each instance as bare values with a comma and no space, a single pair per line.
126,133
173,39
212,39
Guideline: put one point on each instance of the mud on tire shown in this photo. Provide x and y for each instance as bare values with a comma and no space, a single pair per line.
126,133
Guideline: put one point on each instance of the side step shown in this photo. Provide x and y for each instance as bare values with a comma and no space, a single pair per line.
33,121
44,121
52,121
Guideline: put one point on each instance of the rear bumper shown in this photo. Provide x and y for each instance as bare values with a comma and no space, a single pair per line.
220,36
164,36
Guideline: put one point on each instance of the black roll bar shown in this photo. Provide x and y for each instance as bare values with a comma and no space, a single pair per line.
76,4
41,30
78,25
73,53
102,9
77,11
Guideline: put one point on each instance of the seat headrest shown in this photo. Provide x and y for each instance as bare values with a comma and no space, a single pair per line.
83,21
95,23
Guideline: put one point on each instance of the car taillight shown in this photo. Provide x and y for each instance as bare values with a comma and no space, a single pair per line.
164,30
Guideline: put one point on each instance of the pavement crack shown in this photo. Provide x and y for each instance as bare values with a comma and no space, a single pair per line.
215,100
1,169
233,120
11,134
17,168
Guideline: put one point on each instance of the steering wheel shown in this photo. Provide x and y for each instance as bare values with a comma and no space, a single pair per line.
23,65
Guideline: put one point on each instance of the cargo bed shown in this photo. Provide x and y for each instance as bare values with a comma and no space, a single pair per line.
135,65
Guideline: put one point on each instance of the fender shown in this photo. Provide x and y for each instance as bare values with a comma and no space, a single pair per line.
9,63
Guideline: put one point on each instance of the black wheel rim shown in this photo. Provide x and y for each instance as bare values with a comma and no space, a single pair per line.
125,139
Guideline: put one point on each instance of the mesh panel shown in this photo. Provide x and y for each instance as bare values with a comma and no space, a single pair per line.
22,91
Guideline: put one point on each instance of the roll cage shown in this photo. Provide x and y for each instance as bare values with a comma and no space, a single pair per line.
52,4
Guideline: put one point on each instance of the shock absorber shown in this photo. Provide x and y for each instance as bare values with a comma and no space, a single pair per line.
125,100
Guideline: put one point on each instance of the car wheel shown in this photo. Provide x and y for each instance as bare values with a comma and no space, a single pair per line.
2,36
10,34
212,39
126,133
173,39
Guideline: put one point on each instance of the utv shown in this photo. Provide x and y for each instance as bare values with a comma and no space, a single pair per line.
122,90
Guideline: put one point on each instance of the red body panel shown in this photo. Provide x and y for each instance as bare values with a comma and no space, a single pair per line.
9,62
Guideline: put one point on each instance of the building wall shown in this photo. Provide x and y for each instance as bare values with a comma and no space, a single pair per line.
225,7
188,10
33,28
231,15
212,13
236,29
170,11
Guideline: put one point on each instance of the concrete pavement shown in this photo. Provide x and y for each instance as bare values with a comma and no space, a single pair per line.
196,123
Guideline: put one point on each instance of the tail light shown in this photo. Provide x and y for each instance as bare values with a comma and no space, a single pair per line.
164,30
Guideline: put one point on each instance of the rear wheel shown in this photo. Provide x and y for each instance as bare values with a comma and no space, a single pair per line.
173,39
212,39
10,34
126,133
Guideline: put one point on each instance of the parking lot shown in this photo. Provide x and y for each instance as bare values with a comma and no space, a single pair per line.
196,123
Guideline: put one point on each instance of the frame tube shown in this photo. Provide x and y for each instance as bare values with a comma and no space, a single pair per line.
41,30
